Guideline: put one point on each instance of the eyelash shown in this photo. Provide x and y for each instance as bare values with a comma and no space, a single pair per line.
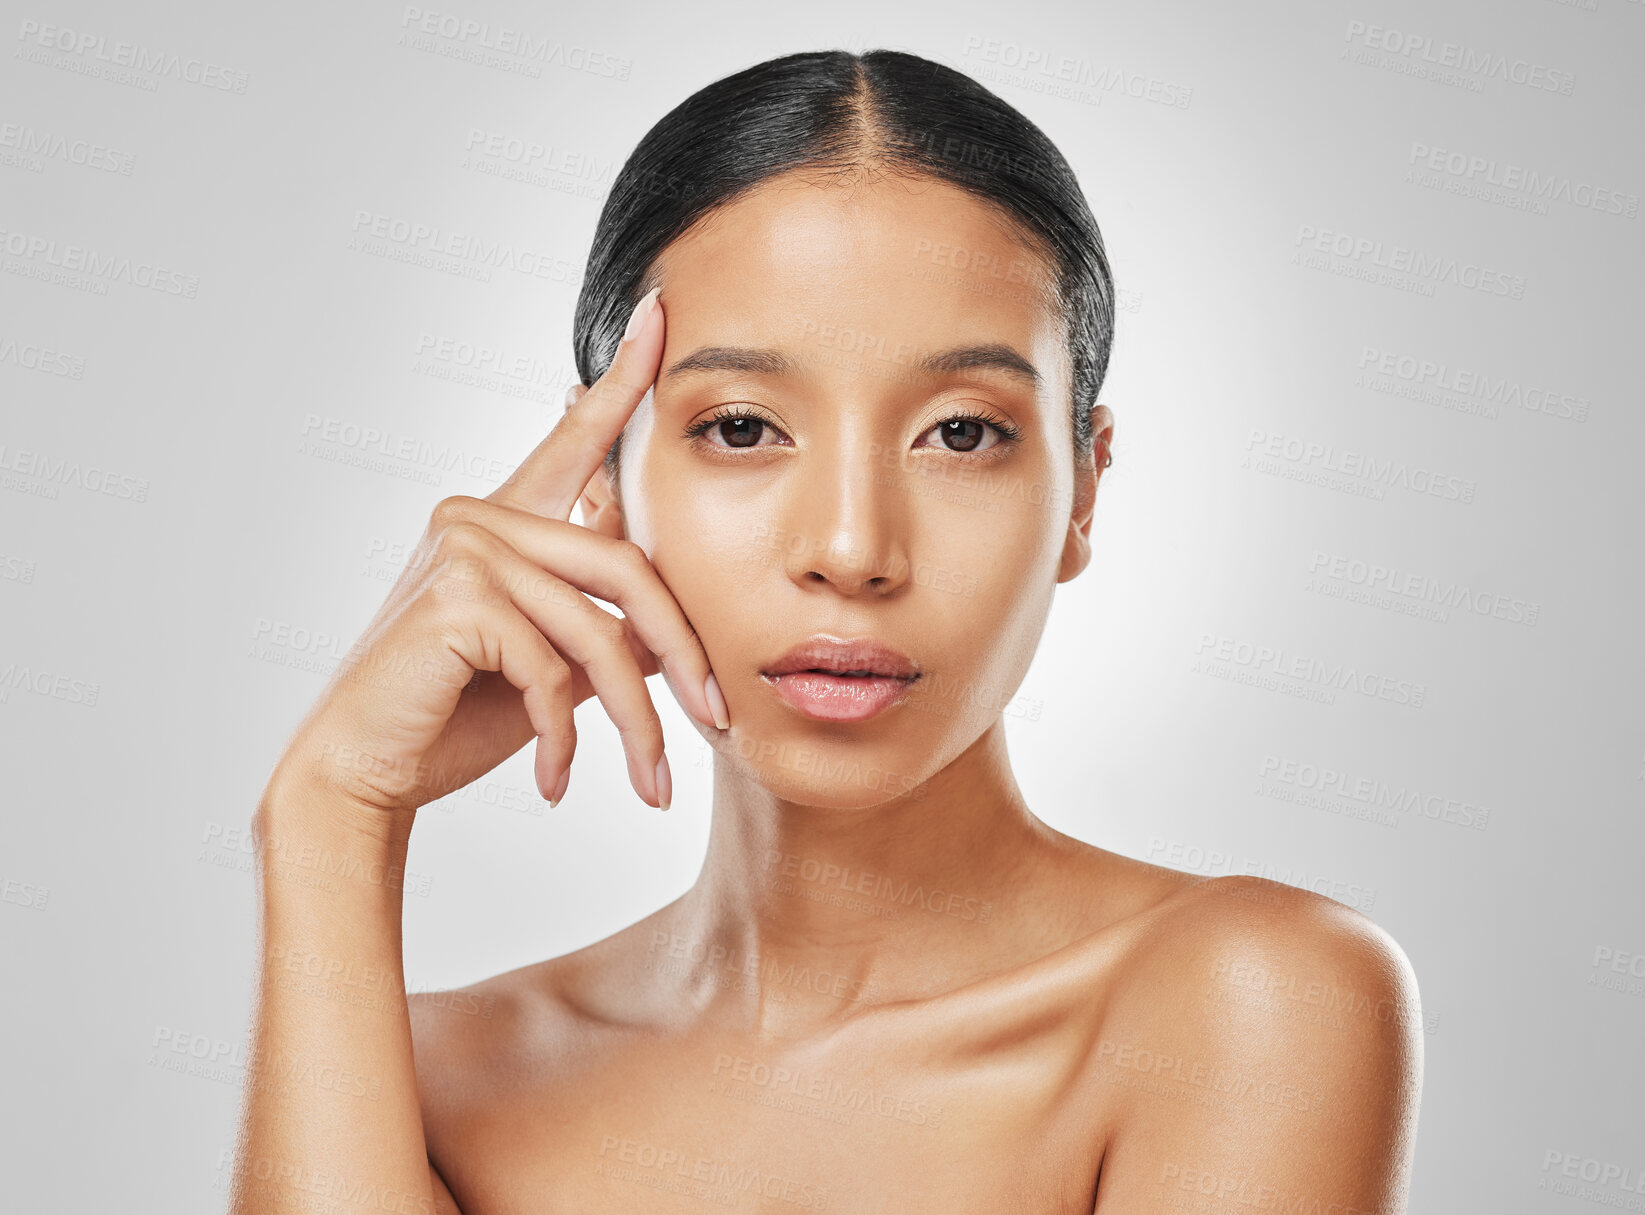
1008,432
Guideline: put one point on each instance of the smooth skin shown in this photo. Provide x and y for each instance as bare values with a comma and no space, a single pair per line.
892,987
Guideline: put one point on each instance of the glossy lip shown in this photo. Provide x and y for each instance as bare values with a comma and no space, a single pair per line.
798,678
825,652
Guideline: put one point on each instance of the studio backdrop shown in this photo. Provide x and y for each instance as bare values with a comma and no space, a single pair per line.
1363,614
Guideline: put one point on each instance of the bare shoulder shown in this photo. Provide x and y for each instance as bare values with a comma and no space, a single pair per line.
1294,970
1259,1038
1253,931
460,1034
522,1023
500,1034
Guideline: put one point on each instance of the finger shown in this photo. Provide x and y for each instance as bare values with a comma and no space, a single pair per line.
551,479
495,639
649,665
579,631
616,571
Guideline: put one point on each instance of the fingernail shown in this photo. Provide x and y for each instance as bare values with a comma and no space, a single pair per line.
716,702
665,784
642,310
571,395
559,788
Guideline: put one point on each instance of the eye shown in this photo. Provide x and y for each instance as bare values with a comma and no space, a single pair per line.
736,426
968,433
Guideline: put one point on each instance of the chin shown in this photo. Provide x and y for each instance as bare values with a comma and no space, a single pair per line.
828,769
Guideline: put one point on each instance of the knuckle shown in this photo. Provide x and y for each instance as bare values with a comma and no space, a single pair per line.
631,555
461,556
644,735
463,537
556,673
612,630
539,585
562,739
450,601
452,510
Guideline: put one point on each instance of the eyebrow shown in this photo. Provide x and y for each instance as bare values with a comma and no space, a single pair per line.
990,356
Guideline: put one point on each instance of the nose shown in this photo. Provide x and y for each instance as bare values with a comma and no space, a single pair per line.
845,528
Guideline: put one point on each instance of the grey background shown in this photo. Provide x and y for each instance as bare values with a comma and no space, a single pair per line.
184,554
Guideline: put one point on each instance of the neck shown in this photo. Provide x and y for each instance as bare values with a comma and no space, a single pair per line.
804,914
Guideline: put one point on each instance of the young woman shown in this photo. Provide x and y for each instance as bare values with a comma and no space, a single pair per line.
844,325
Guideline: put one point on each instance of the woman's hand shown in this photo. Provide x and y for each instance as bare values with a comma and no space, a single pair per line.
490,636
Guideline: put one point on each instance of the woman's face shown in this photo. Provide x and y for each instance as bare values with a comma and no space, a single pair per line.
825,494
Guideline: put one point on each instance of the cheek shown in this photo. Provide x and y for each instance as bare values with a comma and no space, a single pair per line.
708,557
999,540
987,581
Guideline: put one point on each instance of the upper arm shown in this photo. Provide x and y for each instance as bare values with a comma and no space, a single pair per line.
444,1203
1265,1052
445,1037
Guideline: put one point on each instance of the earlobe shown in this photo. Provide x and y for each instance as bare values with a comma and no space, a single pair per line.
600,510
1076,548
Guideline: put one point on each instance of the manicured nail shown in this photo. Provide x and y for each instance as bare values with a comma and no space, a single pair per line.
642,310
665,784
716,702
559,788
571,395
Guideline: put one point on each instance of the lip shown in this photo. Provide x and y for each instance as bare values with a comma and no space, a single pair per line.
796,677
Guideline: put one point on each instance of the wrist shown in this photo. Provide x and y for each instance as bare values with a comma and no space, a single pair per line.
300,814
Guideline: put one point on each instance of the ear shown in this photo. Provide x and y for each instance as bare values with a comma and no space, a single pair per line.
601,511
1076,547
598,504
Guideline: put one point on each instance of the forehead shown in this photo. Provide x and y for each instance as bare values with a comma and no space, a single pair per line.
882,265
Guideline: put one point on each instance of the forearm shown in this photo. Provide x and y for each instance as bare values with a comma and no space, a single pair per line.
331,1109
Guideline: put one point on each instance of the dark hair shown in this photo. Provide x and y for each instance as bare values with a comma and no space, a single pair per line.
839,111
